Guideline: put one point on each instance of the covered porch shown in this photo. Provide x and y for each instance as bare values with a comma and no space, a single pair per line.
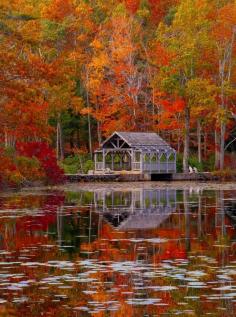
117,154
137,161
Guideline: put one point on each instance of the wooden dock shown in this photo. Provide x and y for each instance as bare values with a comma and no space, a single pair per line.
131,177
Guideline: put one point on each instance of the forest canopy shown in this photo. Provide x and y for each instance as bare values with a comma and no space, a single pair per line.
74,71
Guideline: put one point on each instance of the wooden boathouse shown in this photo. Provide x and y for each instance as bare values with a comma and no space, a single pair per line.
139,152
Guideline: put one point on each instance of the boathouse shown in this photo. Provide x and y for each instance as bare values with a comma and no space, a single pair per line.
135,152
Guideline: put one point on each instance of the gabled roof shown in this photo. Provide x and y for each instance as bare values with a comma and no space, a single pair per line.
142,138
135,222
127,220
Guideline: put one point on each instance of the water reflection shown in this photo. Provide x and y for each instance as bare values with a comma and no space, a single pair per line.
136,209
112,252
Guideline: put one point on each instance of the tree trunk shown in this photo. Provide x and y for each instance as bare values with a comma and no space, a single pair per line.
222,145
90,136
98,126
205,144
99,133
89,120
217,149
199,140
6,139
186,140
60,147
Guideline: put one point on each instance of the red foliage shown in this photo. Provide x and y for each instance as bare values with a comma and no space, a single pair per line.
132,5
47,158
159,8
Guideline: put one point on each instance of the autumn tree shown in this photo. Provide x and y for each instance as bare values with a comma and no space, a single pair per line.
224,32
186,45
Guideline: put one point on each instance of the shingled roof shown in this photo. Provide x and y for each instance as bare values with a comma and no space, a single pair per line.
140,139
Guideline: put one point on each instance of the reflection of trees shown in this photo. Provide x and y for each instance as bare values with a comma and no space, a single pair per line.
190,233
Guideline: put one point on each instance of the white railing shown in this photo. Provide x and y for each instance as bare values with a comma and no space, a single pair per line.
99,166
136,166
159,167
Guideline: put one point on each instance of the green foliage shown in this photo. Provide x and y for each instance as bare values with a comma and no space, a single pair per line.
120,10
193,162
27,161
52,30
88,165
10,152
179,163
72,164
29,168
170,16
79,163
209,164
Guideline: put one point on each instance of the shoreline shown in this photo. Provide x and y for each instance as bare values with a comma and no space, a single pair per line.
96,186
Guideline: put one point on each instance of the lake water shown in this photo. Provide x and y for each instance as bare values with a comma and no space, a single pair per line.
118,251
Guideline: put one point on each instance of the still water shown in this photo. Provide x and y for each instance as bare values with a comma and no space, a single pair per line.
118,252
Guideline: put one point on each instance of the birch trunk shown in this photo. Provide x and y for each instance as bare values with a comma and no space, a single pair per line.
199,140
222,144
89,118
186,140
225,70
98,126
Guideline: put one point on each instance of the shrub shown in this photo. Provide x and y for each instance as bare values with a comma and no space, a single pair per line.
179,163
225,175
88,165
47,158
78,163
9,174
209,164
30,168
72,164
193,162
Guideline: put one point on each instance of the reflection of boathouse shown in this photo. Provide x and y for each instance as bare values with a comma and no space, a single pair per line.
137,152
136,209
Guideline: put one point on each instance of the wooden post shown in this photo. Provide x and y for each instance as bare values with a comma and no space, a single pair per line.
95,160
112,161
103,159
150,163
167,162
141,162
131,160
175,161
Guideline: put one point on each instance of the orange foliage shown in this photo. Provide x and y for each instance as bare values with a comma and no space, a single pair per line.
59,9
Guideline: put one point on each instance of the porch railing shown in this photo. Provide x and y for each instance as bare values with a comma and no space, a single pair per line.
99,166
157,167
160,167
136,166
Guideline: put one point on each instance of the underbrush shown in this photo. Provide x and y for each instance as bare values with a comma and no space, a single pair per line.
27,163
225,175
207,165
79,163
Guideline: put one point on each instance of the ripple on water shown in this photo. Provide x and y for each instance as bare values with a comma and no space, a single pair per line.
59,255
